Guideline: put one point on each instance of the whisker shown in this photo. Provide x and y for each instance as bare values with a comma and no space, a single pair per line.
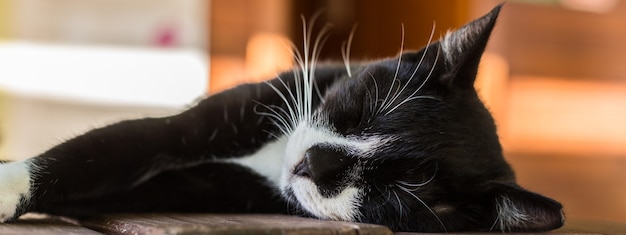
417,185
387,198
319,93
304,85
399,203
390,102
395,76
493,226
272,135
298,98
292,113
345,51
412,97
432,33
430,39
374,111
425,205
308,81
371,100
277,119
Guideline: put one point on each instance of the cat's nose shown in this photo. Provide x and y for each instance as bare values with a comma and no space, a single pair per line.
325,164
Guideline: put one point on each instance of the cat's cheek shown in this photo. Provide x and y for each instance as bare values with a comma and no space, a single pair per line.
15,189
343,206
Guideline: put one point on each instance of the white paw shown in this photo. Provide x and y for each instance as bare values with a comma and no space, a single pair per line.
14,188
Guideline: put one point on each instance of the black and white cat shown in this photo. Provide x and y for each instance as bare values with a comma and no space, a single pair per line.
403,142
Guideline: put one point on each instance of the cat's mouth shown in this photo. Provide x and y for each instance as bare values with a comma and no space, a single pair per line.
343,205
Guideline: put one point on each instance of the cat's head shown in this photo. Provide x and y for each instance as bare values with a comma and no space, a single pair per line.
405,142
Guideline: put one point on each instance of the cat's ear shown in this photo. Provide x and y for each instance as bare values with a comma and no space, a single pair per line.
463,48
515,209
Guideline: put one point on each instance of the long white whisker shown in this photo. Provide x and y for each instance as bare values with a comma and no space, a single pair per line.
320,40
432,33
299,100
412,96
281,113
319,93
275,117
304,86
290,105
345,51
292,113
386,101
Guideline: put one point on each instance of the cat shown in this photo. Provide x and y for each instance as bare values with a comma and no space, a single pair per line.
402,142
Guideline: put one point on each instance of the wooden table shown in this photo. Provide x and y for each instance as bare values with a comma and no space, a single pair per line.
235,224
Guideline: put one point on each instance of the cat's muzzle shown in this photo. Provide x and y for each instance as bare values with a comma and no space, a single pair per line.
327,166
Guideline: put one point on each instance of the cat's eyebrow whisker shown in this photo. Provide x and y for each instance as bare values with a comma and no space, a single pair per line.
395,76
412,96
387,106
419,64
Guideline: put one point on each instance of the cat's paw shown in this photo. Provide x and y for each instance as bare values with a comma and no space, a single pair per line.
14,189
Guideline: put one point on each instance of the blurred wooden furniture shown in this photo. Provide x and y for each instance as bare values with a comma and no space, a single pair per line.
173,224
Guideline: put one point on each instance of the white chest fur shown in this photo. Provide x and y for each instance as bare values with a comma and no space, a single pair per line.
14,187
267,161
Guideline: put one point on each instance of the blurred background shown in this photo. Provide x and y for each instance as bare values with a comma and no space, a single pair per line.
553,75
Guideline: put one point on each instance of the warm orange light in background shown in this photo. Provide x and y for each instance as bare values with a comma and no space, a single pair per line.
266,55
595,6
491,84
553,115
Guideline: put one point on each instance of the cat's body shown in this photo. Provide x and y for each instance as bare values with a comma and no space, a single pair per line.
403,142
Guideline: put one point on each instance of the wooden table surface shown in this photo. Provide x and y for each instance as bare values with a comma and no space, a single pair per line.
235,224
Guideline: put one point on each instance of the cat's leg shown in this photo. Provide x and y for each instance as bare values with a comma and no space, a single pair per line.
212,187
